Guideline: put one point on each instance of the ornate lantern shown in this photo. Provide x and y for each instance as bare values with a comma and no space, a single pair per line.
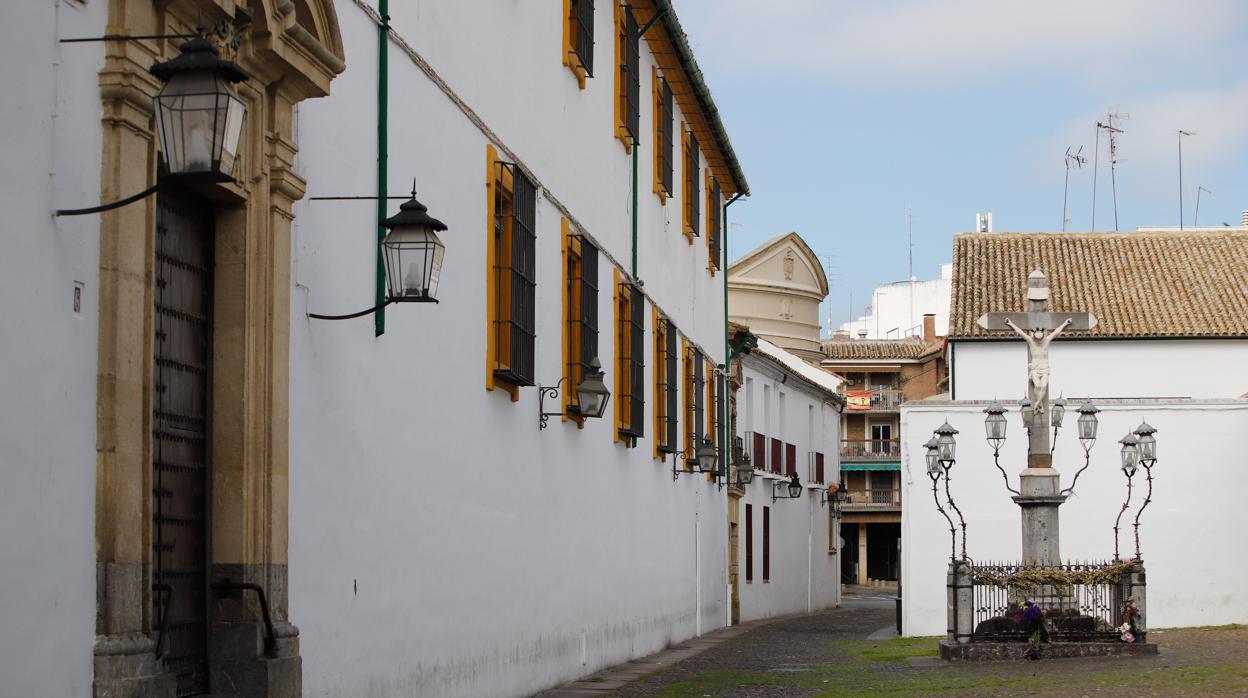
413,253
1057,412
795,487
199,115
933,458
994,425
592,394
1028,412
1087,424
945,444
1147,442
706,456
1130,453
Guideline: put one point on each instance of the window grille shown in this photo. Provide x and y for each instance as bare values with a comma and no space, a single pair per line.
515,285
665,138
691,186
632,369
582,20
697,405
630,74
666,400
583,318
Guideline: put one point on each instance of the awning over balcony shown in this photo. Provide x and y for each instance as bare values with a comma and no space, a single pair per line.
870,466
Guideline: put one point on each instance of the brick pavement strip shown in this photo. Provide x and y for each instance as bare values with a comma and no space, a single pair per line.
828,654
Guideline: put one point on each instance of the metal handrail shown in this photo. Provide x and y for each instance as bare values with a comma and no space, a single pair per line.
270,639
888,496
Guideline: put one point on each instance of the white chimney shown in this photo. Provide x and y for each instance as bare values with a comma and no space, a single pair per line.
862,334
983,222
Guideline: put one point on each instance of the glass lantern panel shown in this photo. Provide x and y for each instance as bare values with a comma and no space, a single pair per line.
995,426
231,133
1148,447
933,462
1130,456
1087,426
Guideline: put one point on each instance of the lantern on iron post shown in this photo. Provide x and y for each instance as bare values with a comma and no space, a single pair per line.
1130,453
1147,443
199,114
994,425
1087,425
1028,411
945,444
933,458
1057,412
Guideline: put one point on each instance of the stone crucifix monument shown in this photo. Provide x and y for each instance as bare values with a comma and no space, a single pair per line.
1039,486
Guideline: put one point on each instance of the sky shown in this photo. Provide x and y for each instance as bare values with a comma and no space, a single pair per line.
847,114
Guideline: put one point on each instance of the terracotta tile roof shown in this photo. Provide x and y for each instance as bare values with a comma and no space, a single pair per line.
874,348
1140,284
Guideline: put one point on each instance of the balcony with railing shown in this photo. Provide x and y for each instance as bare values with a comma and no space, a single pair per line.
871,449
874,499
875,400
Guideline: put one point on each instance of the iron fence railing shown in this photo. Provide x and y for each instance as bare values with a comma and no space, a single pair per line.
879,449
879,497
1082,601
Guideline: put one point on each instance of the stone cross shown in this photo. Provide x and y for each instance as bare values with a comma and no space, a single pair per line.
1038,327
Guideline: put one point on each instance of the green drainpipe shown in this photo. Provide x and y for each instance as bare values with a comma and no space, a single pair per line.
383,100
728,352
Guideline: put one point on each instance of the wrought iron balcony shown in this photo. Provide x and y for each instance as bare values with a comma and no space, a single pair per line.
875,400
889,498
871,449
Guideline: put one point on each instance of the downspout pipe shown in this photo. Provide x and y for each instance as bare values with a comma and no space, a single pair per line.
383,106
636,144
728,350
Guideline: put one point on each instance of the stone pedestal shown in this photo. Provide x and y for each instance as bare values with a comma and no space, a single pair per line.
1039,502
960,602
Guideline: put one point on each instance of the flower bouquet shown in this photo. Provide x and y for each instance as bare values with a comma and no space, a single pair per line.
1031,617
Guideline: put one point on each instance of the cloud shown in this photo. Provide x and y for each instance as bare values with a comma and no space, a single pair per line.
954,39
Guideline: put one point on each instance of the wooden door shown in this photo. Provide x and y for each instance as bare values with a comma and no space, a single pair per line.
182,350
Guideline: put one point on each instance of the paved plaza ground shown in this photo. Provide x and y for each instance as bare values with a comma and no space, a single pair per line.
829,654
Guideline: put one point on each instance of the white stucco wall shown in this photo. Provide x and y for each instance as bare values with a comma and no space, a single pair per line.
1188,534
1196,368
804,576
51,115
440,543
899,307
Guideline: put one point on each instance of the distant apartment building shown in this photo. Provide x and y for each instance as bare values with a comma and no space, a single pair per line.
879,376
897,309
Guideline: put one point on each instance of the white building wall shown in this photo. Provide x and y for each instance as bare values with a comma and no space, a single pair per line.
897,309
51,115
1204,368
804,576
440,544
1187,534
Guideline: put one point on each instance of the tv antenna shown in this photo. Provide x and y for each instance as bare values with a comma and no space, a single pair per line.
1077,160
1196,218
1181,134
1113,130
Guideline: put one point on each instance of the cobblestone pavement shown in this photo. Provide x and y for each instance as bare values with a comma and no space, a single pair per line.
828,654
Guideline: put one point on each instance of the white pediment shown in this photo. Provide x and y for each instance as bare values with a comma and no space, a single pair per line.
784,262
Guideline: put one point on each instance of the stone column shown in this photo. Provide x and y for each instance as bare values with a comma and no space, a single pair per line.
1041,496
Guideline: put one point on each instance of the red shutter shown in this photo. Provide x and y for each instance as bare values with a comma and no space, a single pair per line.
777,455
760,451
766,543
749,542
819,468
790,459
